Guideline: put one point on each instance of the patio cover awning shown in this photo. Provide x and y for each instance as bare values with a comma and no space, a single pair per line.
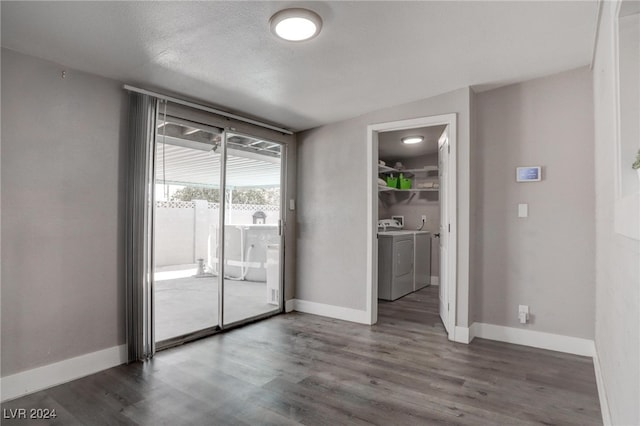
193,167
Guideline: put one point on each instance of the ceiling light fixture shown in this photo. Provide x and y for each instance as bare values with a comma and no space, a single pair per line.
296,24
412,139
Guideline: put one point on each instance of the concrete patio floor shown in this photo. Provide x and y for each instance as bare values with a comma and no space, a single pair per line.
187,304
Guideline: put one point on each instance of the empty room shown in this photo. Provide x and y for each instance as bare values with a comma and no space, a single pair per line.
320,212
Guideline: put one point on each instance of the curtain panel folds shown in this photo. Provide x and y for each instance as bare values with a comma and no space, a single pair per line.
139,232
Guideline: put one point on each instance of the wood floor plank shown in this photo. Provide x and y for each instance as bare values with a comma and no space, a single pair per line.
305,369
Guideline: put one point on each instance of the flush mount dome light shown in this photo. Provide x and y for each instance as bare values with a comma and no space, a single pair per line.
296,24
412,139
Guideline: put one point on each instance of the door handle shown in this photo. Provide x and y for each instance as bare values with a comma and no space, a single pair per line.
280,227
437,235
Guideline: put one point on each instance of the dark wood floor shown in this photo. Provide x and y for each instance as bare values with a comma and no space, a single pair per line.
299,368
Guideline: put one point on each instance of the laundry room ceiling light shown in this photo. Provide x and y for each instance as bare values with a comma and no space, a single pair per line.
296,24
412,139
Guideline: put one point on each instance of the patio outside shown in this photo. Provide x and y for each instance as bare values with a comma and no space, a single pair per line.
186,301
189,164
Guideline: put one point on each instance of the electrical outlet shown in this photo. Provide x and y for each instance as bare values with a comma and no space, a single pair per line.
523,210
424,218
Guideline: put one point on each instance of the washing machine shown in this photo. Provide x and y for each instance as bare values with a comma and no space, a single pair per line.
422,262
395,264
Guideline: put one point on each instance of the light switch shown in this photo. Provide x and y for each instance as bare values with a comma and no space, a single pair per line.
523,210
292,204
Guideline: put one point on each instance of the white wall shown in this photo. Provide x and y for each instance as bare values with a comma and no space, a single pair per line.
332,171
62,219
617,329
545,261
184,231
174,243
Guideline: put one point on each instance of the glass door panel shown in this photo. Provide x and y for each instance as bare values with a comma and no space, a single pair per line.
188,159
252,228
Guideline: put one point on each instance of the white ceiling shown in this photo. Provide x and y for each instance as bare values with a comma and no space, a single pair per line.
370,55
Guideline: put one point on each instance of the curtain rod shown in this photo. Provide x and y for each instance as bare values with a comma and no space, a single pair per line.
206,108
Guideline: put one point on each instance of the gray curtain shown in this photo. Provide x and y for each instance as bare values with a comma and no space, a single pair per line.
138,253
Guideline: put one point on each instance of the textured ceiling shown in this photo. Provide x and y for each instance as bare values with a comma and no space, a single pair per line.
370,55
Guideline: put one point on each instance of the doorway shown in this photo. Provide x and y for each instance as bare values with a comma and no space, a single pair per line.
430,185
217,229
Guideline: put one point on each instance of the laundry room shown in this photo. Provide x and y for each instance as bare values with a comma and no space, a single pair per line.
408,211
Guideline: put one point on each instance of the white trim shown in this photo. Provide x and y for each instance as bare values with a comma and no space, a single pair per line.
452,210
331,311
372,227
602,392
462,335
435,280
616,100
372,210
536,339
44,377
289,305
596,33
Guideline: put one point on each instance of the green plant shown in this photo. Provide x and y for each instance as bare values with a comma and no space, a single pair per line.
636,164
268,196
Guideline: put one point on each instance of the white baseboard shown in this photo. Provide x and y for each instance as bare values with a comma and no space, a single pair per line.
461,335
44,377
602,393
331,311
289,305
536,339
435,280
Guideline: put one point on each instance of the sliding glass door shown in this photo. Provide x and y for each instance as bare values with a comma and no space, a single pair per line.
217,228
188,162
252,228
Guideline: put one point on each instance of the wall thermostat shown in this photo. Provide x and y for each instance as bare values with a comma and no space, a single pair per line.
529,174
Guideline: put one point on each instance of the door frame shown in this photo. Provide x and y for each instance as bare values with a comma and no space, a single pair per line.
443,159
221,326
372,210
